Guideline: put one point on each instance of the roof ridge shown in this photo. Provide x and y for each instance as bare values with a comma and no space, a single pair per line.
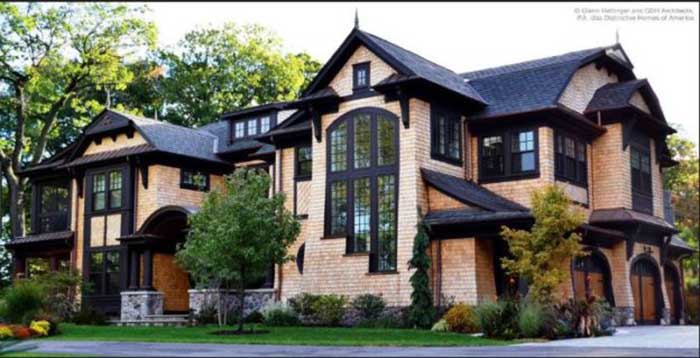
532,61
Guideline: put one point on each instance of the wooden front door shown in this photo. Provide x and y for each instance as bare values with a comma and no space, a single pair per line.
645,289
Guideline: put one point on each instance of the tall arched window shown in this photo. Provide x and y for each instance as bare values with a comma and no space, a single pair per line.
362,185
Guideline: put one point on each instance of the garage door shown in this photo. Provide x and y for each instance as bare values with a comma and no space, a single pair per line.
644,280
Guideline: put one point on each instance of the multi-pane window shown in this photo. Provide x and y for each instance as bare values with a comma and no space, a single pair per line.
570,163
107,190
362,188
264,124
52,213
360,77
194,179
303,162
252,127
508,154
339,150
240,129
446,135
115,189
640,163
339,208
492,156
99,185
104,272
523,151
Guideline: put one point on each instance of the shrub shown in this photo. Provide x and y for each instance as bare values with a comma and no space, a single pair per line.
303,304
369,306
40,327
21,332
23,301
531,319
5,333
279,314
461,319
53,322
89,316
440,326
586,317
497,319
330,309
207,314
254,317
61,288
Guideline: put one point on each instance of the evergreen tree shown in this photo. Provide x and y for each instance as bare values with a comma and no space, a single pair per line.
421,311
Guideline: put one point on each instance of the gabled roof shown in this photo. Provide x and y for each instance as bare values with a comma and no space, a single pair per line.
403,61
618,95
532,85
161,136
469,192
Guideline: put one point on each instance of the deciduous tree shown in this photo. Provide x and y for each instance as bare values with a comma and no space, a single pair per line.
237,234
541,254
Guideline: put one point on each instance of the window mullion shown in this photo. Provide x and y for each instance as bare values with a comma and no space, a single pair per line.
507,153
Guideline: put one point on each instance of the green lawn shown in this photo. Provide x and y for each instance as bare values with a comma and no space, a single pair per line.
278,335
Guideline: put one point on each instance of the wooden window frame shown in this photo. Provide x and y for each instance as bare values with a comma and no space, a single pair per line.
507,155
351,174
298,176
452,118
580,176
37,205
189,186
356,68
108,208
272,117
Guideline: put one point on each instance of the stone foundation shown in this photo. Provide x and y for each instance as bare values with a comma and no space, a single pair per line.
136,305
254,299
624,316
665,316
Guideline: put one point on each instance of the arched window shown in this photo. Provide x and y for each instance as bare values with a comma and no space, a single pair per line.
592,277
362,186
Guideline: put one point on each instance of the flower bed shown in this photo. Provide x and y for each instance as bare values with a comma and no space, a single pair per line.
36,329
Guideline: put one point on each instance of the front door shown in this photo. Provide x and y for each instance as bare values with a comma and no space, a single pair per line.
644,280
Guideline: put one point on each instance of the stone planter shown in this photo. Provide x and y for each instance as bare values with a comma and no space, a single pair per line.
136,305
255,300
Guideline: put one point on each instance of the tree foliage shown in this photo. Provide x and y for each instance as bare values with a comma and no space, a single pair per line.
683,182
49,57
421,312
541,254
214,70
237,234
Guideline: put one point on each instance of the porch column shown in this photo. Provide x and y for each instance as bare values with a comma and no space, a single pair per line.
134,269
148,269
53,263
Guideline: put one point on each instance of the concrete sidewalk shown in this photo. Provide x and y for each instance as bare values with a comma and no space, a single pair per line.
679,341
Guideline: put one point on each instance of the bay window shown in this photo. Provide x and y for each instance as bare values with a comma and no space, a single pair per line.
362,186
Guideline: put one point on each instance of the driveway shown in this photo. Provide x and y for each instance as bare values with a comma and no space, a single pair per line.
629,341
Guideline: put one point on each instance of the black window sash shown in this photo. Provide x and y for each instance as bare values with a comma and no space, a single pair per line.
106,192
442,134
299,163
507,152
567,168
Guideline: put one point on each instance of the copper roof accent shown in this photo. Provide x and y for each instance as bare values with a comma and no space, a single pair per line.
57,236
118,153
623,215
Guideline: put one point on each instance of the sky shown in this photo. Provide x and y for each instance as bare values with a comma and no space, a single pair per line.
469,36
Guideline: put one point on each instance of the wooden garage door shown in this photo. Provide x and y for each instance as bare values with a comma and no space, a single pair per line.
591,276
645,290
672,290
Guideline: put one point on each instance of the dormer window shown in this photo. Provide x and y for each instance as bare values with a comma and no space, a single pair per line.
245,128
360,76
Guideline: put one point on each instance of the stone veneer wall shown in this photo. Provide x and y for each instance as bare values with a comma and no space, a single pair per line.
136,305
254,300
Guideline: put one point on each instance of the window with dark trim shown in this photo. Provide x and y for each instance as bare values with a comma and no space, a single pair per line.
104,272
360,76
302,163
252,126
509,154
570,159
52,211
107,190
194,179
446,135
362,185
642,194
